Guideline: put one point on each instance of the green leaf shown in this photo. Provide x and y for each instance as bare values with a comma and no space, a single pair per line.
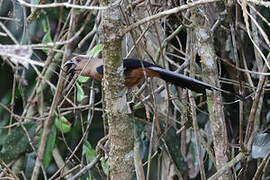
95,50
17,142
105,166
82,79
90,154
56,114
80,93
46,39
62,124
49,147
89,151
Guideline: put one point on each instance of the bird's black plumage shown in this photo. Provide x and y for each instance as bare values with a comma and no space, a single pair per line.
131,64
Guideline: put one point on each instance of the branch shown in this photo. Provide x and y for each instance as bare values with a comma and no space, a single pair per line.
166,13
260,3
227,166
68,5
261,166
22,59
86,168
255,103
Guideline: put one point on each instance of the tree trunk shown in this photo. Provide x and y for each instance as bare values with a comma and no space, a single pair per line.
214,99
120,125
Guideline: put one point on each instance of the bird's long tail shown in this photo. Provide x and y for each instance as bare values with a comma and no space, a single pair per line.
190,83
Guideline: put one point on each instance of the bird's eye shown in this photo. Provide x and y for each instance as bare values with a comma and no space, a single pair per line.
77,60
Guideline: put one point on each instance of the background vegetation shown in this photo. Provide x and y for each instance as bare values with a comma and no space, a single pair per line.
179,134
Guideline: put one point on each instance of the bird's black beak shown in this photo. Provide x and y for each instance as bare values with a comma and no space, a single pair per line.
70,67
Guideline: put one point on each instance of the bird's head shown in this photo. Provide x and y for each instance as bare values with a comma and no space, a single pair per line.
75,65
91,67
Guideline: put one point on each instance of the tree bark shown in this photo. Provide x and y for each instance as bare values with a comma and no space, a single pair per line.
120,125
214,100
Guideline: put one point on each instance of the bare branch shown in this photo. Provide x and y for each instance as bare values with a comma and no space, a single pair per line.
260,3
68,5
166,13
86,168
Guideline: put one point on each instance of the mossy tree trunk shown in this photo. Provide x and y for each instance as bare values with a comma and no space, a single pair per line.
120,125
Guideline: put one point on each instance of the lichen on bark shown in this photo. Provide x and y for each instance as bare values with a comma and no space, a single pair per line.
120,124
207,54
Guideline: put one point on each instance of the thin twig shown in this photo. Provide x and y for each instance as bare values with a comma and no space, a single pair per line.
260,3
166,13
230,164
8,169
256,103
86,168
67,5
261,167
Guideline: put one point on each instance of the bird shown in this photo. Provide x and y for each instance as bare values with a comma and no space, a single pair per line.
135,71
